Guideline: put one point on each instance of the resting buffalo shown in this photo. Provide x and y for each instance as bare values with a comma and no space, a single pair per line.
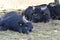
54,10
15,22
28,13
44,13
38,13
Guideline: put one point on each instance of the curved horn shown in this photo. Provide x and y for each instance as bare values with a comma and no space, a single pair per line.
43,8
25,20
33,8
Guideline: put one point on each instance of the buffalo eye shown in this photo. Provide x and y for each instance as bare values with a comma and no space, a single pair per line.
34,14
20,24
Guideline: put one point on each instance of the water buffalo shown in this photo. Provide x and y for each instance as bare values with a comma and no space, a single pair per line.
15,22
39,13
44,13
53,11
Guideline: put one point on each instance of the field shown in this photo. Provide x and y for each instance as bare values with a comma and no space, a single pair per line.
41,31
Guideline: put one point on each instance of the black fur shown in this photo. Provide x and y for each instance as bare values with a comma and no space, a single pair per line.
15,22
36,14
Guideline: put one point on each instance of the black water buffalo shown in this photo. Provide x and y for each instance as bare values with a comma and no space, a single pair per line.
54,10
57,11
44,13
15,22
38,13
28,13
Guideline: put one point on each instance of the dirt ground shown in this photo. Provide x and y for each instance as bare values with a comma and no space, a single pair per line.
41,31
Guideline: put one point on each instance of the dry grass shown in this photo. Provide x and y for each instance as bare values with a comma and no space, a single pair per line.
41,31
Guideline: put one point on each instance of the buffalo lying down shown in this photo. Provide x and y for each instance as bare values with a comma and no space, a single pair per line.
28,13
44,13
55,11
38,13
15,22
